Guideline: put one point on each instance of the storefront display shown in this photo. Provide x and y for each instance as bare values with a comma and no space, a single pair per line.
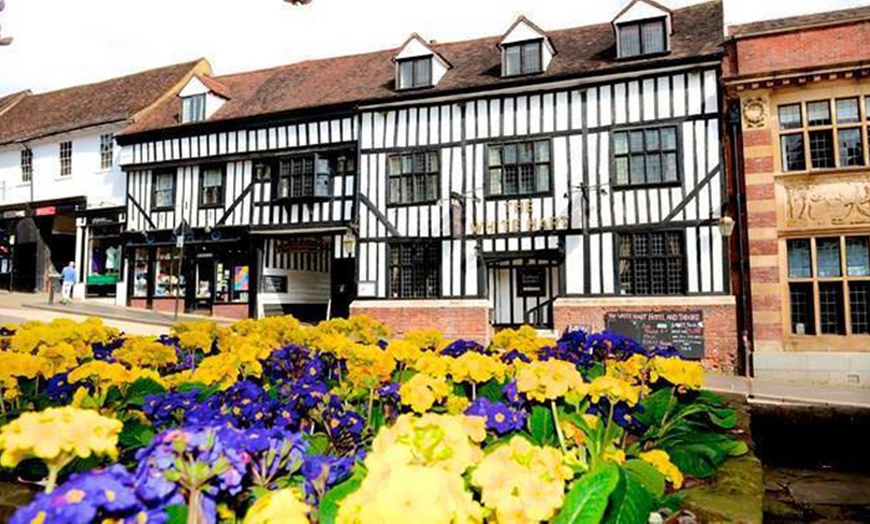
167,280
140,273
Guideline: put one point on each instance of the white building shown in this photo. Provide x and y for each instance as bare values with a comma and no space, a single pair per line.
62,192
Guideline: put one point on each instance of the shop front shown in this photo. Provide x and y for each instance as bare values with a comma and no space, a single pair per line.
209,274
100,250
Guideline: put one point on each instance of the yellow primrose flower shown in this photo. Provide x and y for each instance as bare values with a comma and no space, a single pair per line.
548,380
425,495
57,359
57,435
474,367
422,392
457,405
222,369
432,364
369,366
145,352
404,351
426,339
662,462
21,365
614,389
101,374
525,340
521,482
283,506
449,442
678,372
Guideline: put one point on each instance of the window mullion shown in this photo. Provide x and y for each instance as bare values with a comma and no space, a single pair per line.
817,317
844,284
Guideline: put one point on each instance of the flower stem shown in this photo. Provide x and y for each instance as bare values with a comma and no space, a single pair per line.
558,426
51,481
194,508
371,405
473,391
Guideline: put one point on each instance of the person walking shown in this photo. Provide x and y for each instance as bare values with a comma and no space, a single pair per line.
68,277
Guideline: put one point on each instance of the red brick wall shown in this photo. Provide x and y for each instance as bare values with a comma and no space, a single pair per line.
469,321
803,49
139,303
720,327
238,311
167,305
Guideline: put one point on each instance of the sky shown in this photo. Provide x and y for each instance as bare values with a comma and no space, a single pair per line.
60,43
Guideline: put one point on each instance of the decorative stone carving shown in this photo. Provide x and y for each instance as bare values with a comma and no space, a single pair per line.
839,201
755,112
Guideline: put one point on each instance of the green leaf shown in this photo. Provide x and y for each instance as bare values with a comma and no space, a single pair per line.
698,459
177,514
491,390
140,389
331,501
674,501
647,475
541,426
587,500
317,444
654,407
630,502
135,435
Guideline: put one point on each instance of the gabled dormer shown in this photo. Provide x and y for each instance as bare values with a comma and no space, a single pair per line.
201,98
643,28
418,65
525,49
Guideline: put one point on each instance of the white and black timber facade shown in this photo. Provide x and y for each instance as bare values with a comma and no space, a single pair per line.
566,178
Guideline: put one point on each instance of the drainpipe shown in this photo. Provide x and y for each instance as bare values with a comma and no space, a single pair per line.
736,143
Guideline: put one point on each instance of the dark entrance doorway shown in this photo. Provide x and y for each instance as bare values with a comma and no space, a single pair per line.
343,280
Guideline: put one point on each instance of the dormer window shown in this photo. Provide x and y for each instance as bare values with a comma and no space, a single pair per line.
524,58
647,37
415,72
193,108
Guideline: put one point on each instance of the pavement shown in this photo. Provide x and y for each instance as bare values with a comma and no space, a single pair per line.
784,392
16,308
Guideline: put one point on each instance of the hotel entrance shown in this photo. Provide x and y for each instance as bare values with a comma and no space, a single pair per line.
522,291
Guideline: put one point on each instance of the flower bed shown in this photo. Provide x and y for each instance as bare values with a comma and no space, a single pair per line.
270,421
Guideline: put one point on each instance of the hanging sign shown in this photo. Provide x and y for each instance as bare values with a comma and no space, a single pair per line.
531,282
45,211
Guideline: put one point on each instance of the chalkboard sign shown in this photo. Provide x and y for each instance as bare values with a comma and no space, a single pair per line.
683,330
531,282
274,284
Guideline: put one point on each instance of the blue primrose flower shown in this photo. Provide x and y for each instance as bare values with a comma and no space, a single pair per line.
389,392
321,472
101,495
59,389
460,347
216,455
623,415
514,354
105,350
286,363
499,417
512,394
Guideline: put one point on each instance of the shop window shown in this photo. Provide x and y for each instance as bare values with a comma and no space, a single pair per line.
104,263
414,177
821,134
211,192
164,191
232,282
415,270
652,263
167,281
646,157
140,272
829,285
519,169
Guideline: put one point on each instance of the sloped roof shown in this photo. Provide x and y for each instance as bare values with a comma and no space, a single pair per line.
370,78
6,102
841,16
118,99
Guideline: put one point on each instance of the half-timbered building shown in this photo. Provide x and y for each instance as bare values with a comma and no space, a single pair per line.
236,209
552,178
561,178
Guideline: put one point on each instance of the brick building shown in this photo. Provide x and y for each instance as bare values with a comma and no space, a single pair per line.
800,97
